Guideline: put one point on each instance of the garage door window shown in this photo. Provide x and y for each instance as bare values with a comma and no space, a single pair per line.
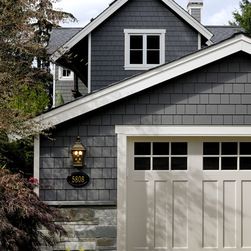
160,156
227,156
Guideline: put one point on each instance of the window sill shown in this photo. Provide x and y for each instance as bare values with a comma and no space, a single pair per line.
139,68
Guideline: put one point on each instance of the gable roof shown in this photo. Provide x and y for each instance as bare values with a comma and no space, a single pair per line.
146,80
59,36
112,9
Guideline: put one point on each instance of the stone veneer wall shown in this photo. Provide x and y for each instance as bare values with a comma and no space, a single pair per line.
89,228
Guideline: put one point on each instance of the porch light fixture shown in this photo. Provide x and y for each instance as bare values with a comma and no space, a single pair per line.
78,154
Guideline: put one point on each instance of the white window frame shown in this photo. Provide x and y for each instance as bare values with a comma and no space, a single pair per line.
144,33
61,77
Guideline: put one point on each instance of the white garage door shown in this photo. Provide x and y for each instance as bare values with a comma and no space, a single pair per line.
188,194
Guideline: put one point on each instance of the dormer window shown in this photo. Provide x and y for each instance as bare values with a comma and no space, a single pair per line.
65,74
144,49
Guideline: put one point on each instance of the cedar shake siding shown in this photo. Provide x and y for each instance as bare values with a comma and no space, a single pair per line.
217,94
107,49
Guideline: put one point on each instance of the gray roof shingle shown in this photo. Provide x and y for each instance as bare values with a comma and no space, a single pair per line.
223,32
59,36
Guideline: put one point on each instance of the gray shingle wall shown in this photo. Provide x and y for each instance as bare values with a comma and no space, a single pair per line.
219,94
65,87
108,39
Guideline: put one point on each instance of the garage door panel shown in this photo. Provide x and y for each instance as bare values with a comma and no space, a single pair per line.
162,216
210,214
180,214
137,215
246,214
230,214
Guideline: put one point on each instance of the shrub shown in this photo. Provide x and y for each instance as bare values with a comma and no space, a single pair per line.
23,215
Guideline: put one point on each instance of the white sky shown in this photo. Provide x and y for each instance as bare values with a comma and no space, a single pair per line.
215,12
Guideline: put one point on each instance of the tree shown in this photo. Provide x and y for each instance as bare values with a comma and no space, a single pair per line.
243,18
24,33
23,215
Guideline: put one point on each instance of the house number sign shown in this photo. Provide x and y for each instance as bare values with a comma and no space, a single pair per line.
78,179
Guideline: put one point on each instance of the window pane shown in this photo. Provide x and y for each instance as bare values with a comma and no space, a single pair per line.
136,57
229,148
142,163
160,163
153,57
179,148
245,148
142,148
210,163
229,163
161,148
211,148
153,42
179,163
136,42
245,163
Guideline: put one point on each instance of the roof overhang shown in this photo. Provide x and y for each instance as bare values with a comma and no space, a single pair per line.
113,8
146,80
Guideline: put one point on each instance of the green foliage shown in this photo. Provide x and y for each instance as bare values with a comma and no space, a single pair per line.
30,100
14,152
25,27
23,215
243,18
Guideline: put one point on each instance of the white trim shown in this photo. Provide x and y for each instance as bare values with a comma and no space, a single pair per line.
53,66
121,191
89,61
146,80
123,135
113,8
199,41
144,33
185,131
36,161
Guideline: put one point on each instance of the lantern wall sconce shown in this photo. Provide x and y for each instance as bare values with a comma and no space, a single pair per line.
78,154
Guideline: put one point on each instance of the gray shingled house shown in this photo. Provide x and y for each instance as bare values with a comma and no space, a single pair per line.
164,128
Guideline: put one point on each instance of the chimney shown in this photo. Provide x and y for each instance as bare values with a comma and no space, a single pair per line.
194,8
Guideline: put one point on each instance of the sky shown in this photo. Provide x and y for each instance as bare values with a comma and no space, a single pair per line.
215,12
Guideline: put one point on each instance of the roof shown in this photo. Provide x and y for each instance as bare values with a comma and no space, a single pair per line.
59,36
112,9
223,32
145,80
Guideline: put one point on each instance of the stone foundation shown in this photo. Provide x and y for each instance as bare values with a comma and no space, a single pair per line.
89,228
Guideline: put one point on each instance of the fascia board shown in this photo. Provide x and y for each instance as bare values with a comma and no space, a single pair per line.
184,131
146,80
189,19
114,7
86,30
